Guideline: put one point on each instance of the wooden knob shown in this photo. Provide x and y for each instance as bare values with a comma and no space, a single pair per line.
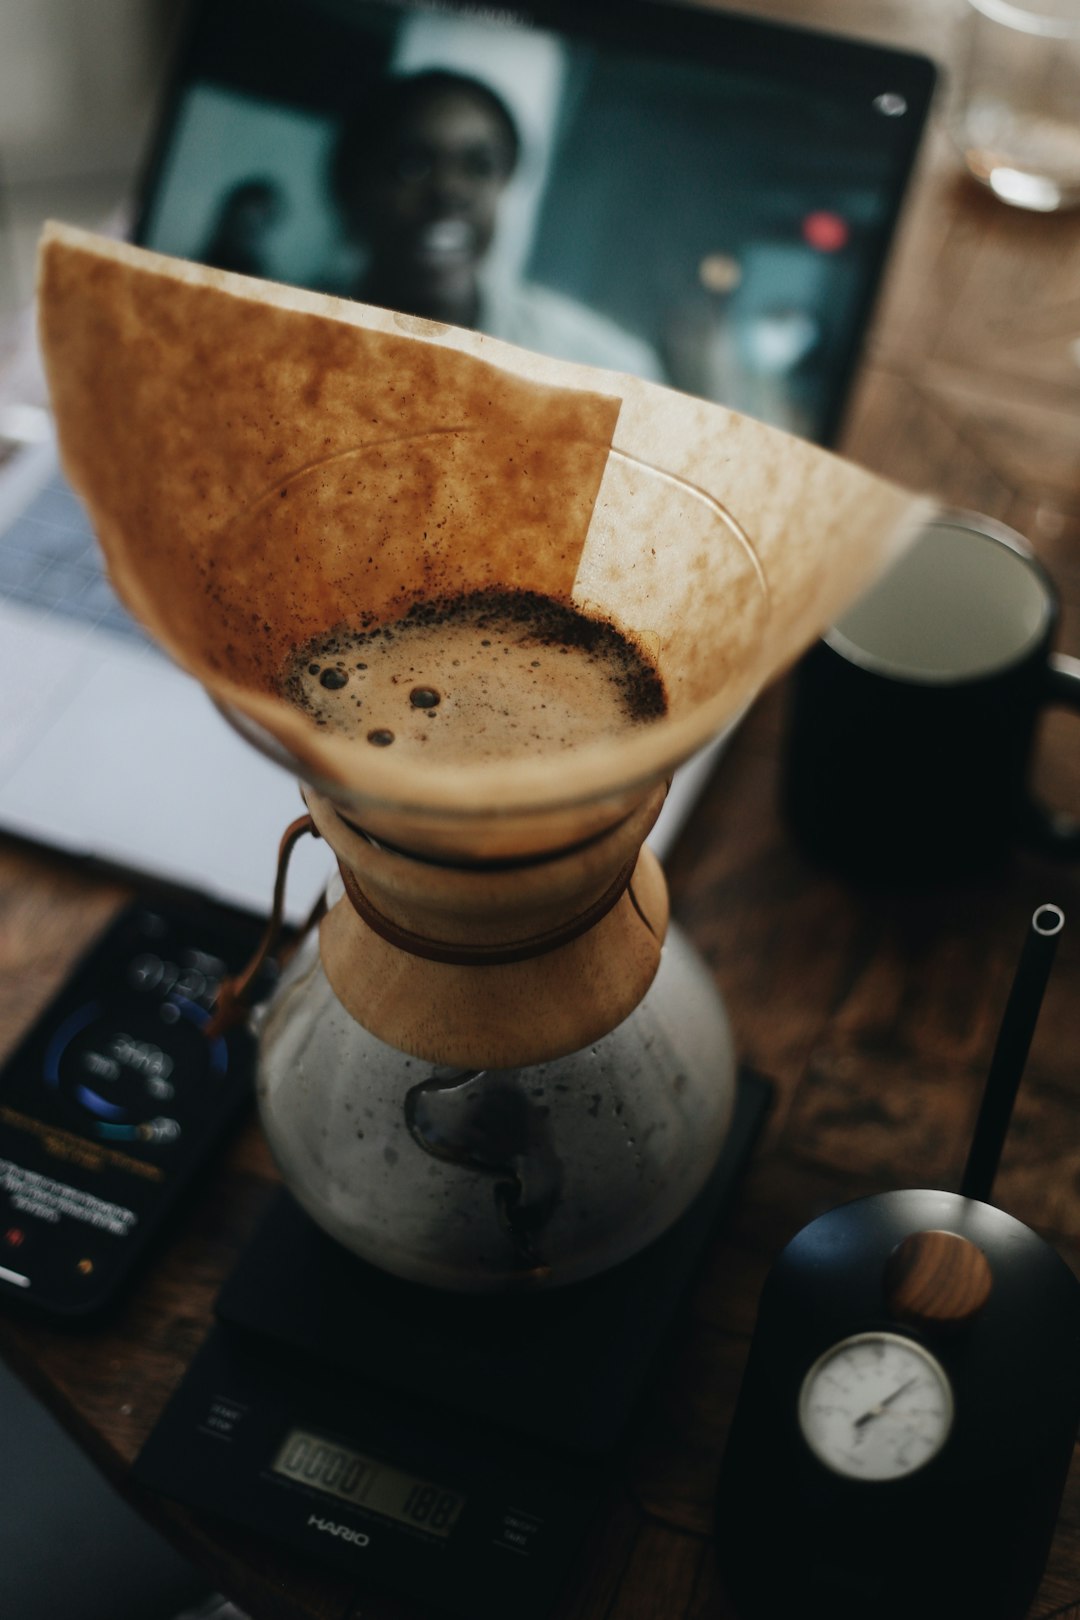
937,1279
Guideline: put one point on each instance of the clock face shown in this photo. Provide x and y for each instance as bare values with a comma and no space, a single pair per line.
876,1406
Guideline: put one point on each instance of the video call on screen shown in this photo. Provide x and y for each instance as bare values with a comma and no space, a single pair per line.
702,226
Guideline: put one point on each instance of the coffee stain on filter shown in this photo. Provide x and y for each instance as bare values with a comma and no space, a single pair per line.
263,464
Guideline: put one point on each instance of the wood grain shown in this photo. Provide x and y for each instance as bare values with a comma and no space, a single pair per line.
936,1279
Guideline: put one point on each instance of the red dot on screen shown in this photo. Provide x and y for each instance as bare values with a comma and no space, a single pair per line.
825,231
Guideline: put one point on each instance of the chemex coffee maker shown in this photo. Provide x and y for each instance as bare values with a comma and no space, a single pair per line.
480,604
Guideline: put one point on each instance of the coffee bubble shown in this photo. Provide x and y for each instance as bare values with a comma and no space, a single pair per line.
486,675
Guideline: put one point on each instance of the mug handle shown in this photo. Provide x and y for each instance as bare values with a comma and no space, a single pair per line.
1055,832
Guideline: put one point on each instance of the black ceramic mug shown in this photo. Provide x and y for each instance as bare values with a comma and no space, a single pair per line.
912,722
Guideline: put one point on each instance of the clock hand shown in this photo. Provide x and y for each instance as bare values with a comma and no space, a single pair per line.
876,1411
914,1379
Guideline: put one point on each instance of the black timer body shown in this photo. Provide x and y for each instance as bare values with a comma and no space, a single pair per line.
892,1462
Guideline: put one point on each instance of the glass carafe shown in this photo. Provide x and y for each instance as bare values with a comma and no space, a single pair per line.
486,1173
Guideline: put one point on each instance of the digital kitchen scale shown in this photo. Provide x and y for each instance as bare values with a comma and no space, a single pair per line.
450,1448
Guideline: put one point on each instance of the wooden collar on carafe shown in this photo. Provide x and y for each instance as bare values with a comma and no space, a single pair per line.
521,950
493,953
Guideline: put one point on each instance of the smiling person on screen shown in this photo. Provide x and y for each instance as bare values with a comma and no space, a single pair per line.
418,173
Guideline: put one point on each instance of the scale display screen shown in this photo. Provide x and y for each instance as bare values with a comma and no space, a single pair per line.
334,1469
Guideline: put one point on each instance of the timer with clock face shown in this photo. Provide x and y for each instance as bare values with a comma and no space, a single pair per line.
876,1406
906,1419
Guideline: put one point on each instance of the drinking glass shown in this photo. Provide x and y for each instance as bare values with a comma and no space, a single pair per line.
1016,115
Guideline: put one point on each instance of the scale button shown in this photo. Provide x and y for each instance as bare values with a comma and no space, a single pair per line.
518,1531
222,1417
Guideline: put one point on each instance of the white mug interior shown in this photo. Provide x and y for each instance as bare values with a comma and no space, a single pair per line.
961,603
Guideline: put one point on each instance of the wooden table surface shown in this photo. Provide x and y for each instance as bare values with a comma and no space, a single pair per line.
875,1016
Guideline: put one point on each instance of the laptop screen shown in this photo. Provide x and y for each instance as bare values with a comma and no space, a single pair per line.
691,196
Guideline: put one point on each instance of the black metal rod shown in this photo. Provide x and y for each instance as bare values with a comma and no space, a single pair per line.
1011,1051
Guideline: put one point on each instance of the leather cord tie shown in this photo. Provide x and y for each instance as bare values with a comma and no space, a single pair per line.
464,955
231,1006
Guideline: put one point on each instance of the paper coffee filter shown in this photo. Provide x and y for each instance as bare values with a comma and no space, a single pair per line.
263,465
